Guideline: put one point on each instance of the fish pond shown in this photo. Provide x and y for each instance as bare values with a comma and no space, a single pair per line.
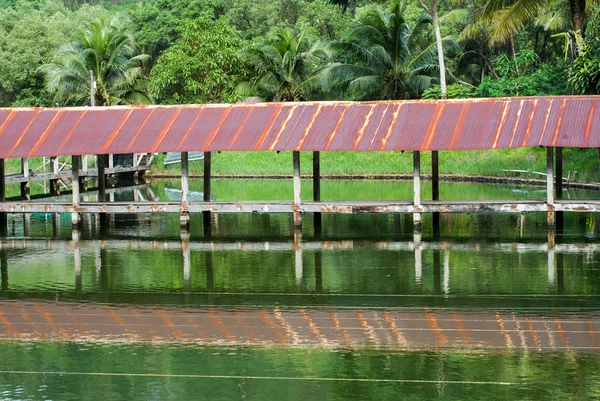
355,307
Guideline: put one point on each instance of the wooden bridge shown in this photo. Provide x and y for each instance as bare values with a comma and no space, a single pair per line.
446,125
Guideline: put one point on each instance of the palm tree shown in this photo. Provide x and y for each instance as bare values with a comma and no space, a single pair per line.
104,55
381,57
283,66
512,15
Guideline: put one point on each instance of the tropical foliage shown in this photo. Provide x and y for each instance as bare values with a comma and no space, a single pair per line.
382,57
202,66
224,50
283,67
103,58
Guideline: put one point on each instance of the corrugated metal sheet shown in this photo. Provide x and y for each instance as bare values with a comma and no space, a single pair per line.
568,121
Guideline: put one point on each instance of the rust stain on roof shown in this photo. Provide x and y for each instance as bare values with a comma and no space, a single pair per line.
469,124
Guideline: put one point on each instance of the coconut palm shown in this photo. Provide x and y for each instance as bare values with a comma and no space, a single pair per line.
511,16
283,64
381,57
108,56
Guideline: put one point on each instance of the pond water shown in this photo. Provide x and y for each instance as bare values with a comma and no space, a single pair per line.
358,307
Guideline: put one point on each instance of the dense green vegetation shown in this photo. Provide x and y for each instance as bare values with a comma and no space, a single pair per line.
199,51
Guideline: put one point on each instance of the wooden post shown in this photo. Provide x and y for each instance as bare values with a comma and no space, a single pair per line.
75,216
550,185
316,176
317,191
435,190
3,217
559,186
417,222
207,173
26,224
297,191
83,167
206,197
101,178
25,172
184,219
54,186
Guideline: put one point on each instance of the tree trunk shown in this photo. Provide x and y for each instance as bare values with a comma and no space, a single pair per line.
513,54
440,49
576,16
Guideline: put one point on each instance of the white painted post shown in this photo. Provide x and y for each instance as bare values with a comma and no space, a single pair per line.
299,267
25,167
550,185
446,272
187,265
75,217
418,249
297,191
184,219
417,222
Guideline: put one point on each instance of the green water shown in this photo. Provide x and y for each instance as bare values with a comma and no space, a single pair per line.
136,311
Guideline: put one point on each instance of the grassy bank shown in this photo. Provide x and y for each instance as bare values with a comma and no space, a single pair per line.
478,163
493,163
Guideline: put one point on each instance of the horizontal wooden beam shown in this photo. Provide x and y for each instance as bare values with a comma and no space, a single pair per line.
210,246
68,174
336,207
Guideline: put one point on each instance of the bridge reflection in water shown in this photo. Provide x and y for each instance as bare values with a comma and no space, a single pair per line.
200,314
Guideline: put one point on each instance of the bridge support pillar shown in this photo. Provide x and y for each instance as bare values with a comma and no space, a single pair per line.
184,219
75,216
550,186
559,187
317,190
297,191
54,183
25,185
435,189
3,216
206,195
417,218
101,178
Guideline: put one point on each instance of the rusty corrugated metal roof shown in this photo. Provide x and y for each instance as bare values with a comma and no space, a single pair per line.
568,121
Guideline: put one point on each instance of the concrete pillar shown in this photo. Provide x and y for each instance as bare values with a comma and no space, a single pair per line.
417,219
297,191
317,191
101,178
54,184
435,189
559,187
550,185
3,215
206,197
184,219
75,216
25,193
